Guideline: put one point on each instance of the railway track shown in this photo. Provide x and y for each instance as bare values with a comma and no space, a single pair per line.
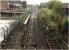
45,41
30,37
53,44
29,41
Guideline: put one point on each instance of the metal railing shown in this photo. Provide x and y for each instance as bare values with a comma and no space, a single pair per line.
6,31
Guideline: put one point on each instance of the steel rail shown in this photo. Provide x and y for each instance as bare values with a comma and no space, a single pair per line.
27,19
49,44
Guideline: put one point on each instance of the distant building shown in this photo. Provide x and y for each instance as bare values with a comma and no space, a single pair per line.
3,5
12,4
24,4
66,8
15,4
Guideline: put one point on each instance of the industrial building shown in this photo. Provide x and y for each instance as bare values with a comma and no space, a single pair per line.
3,5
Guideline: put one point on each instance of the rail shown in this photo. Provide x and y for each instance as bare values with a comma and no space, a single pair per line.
53,44
27,19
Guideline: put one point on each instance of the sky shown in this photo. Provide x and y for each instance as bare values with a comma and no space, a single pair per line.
39,1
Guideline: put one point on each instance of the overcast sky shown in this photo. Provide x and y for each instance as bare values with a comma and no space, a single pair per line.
39,1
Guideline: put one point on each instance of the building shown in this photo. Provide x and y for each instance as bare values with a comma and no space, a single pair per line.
24,4
15,4
0,5
3,5
12,4
66,9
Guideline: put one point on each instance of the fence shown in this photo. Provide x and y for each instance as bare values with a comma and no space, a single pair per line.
5,31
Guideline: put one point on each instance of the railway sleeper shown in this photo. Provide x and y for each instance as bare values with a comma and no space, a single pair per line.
53,44
25,45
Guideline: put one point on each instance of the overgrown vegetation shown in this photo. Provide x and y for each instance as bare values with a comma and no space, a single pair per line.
51,15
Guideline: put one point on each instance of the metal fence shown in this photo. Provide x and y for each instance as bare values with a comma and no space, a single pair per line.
6,30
